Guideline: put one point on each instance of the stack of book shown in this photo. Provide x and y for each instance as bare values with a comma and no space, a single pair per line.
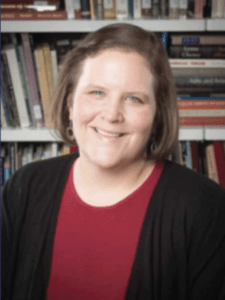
198,67
15,155
207,158
32,10
110,9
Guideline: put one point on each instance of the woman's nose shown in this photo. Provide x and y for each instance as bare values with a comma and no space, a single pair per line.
113,111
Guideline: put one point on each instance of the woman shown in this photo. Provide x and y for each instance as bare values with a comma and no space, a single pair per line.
117,221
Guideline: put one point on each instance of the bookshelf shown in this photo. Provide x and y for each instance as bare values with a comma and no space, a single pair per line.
176,25
92,25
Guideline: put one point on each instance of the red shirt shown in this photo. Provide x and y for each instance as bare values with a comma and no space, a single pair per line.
94,247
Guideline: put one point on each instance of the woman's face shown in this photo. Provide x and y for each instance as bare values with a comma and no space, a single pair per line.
113,109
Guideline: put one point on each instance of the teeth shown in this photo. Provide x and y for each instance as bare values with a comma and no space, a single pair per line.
108,134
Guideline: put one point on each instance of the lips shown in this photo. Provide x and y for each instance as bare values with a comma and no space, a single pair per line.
108,133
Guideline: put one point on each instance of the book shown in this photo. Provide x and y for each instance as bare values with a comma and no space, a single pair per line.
173,9
197,51
212,172
54,66
217,9
198,13
197,39
109,9
33,15
189,154
5,106
201,121
130,9
9,94
220,162
183,6
96,7
32,84
200,81
194,156
164,9
3,118
34,5
146,9
77,9
201,103
43,82
197,63
156,9
122,9
17,85
85,9
69,6
24,78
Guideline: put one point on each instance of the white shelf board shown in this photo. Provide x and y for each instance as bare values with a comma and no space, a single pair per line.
45,135
215,24
191,133
92,25
214,133
28,135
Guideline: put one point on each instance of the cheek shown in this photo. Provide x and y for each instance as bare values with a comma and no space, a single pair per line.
83,111
142,122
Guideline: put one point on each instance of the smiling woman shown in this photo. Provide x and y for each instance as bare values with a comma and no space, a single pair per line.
117,220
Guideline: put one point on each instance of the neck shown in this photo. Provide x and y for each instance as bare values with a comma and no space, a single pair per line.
90,179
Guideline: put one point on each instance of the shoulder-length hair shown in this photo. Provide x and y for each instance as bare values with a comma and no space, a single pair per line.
129,38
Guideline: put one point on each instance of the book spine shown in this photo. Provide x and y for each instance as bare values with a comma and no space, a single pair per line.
9,91
109,9
156,9
54,66
211,163
18,87
42,81
164,9
77,9
23,75
200,81
32,84
200,104
197,39
5,105
69,6
189,157
220,162
146,9
173,9
200,90
130,9
137,9
198,9
85,9
201,121
188,51
164,39
33,15
194,155
122,9
197,63
183,6
206,113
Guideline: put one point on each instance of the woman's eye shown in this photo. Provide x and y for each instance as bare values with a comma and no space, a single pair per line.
134,99
98,93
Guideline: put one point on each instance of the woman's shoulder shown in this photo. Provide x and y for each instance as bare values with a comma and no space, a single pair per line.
188,179
41,171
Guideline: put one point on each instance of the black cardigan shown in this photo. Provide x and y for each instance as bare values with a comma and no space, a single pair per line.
181,250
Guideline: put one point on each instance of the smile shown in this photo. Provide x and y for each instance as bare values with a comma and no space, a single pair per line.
108,134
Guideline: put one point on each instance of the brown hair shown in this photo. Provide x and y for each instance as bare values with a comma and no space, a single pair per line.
130,38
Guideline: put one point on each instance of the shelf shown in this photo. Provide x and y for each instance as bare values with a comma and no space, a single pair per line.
29,135
191,133
215,25
214,133
92,25
45,135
